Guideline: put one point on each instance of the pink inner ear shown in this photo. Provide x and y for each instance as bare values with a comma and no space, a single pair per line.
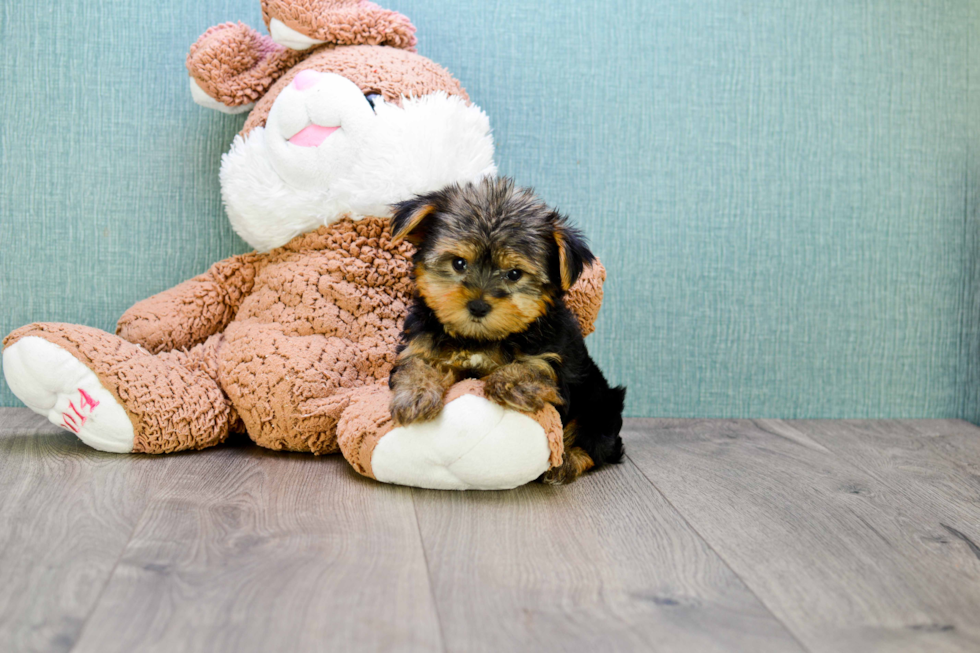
312,135
306,79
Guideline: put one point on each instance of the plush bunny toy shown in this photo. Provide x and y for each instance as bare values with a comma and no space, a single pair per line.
293,343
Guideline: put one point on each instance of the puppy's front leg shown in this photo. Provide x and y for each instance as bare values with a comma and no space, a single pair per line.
527,384
417,390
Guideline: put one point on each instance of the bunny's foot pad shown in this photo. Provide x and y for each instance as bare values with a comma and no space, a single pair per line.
474,444
55,384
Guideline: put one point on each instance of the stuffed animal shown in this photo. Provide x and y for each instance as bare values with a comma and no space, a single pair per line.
293,343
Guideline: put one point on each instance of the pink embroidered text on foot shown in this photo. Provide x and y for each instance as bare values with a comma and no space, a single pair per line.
76,421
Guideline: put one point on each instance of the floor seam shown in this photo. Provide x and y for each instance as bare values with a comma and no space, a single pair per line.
724,561
115,566
428,574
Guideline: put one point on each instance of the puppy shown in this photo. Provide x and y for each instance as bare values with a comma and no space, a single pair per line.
491,268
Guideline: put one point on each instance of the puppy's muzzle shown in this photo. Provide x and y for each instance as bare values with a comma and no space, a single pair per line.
478,308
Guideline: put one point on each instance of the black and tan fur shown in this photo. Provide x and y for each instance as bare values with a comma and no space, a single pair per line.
491,268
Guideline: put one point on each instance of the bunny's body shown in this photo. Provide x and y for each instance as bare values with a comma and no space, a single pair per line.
293,343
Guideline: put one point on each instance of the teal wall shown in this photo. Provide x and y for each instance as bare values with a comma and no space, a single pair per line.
785,193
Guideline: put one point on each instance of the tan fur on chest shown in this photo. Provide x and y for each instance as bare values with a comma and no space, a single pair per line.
480,363
462,363
458,362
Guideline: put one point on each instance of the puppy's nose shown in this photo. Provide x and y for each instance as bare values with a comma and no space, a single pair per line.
478,308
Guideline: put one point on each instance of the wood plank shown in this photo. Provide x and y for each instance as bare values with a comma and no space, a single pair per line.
934,478
256,550
792,518
66,514
953,440
857,535
605,564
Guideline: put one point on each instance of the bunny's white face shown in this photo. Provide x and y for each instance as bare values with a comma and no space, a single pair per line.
327,151
315,126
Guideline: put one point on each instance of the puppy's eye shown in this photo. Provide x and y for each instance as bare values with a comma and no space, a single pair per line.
459,264
372,98
514,275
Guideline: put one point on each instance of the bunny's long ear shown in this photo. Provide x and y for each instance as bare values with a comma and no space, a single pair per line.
231,65
303,24
573,253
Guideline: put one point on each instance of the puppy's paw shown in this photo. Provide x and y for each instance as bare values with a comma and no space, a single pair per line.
575,463
418,404
525,396
557,476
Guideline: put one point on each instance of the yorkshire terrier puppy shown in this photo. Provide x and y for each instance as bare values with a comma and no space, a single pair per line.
491,268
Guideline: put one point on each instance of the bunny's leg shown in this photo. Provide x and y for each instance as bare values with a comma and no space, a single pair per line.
116,396
290,389
472,444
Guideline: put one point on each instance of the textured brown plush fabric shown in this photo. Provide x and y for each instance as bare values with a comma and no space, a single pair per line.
388,72
585,297
293,346
236,65
343,22
323,315
173,399
371,46
190,312
285,339
361,428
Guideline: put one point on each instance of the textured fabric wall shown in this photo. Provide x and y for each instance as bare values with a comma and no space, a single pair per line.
785,193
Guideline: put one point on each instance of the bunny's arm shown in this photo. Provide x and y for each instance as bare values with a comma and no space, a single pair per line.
190,312
585,297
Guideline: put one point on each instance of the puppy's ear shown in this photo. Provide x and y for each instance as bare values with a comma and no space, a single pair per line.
410,218
573,253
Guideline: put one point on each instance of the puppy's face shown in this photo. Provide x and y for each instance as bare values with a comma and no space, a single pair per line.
490,258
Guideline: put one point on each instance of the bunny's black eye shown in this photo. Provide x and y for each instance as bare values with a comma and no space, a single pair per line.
372,99
515,275
459,264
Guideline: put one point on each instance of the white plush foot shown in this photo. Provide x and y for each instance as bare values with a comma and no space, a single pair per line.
55,384
474,444
290,38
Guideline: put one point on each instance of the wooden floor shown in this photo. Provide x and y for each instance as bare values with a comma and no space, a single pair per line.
714,535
